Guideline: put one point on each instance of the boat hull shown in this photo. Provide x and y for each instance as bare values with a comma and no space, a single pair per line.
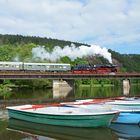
128,118
129,111
64,120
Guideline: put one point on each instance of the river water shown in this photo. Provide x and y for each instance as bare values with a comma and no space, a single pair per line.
11,129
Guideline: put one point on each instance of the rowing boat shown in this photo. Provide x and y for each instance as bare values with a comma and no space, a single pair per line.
63,115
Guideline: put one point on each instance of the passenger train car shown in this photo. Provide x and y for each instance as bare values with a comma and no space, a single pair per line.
58,67
21,66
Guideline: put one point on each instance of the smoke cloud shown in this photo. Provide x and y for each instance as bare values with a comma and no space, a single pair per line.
72,52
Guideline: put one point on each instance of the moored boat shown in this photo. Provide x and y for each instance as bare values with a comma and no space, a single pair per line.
129,111
92,101
125,105
129,108
63,115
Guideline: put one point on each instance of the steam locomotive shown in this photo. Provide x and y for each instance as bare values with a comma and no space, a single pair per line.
98,68
57,67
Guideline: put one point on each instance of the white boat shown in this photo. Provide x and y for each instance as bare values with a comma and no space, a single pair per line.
125,105
129,108
63,116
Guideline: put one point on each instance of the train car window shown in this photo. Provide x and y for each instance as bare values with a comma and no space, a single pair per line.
7,65
29,65
47,66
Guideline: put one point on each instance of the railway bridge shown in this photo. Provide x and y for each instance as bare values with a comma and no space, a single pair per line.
73,76
64,82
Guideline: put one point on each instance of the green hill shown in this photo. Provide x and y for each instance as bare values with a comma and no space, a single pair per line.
18,47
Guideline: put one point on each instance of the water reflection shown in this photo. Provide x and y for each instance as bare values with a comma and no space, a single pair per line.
127,131
79,92
3,114
91,92
39,131
31,94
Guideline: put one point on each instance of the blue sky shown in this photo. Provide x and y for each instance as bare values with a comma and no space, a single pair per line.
114,24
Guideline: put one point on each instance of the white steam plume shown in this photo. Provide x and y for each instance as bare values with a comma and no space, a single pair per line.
71,51
16,59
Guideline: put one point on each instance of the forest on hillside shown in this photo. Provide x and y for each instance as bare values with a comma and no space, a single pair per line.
19,48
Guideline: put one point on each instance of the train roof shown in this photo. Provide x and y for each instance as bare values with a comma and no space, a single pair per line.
62,64
7,62
12,63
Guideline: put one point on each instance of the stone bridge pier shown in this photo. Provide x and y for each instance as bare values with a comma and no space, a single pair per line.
62,88
126,87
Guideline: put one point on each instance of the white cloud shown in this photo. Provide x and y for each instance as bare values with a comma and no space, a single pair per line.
106,22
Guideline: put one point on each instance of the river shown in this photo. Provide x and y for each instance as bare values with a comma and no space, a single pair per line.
20,130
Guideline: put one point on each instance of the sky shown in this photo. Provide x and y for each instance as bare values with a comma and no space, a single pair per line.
114,24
